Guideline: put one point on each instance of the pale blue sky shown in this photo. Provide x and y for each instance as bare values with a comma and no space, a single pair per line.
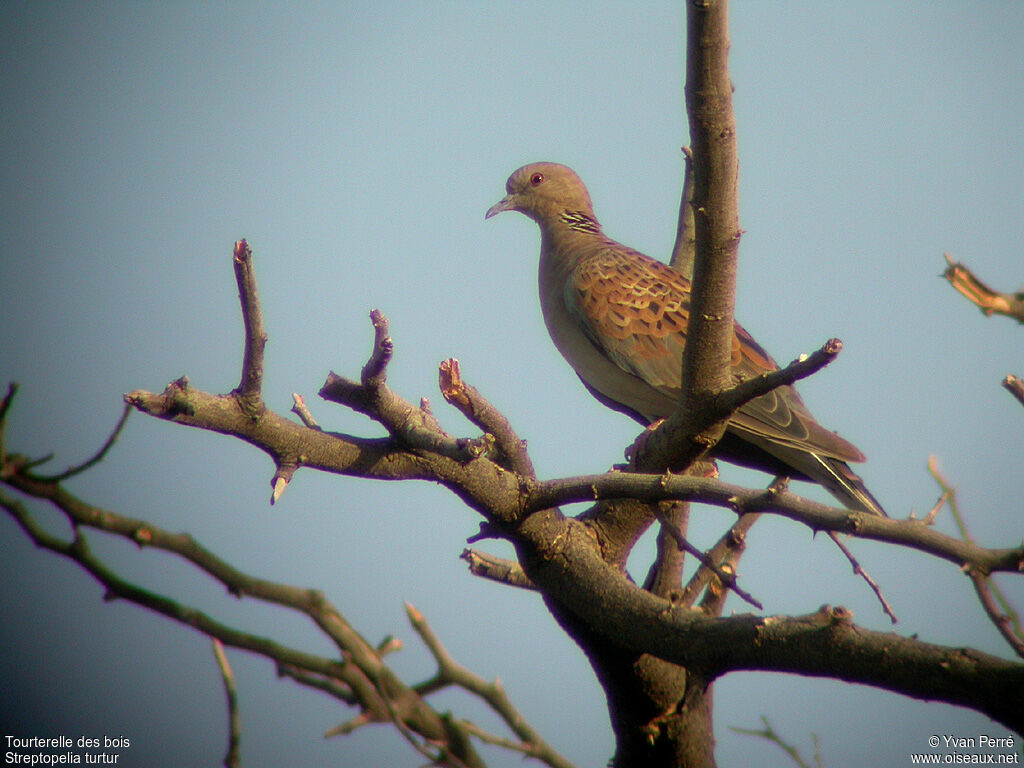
357,147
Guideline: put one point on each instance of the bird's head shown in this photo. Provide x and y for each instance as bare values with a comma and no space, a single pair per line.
545,192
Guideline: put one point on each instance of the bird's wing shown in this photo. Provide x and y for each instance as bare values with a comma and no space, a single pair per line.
636,309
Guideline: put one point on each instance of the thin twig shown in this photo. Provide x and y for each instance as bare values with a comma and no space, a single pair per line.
98,456
727,579
929,519
998,608
769,734
450,671
1006,621
329,685
233,758
5,406
300,409
859,570
726,552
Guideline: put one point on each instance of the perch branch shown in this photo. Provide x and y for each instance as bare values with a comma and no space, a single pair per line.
717,408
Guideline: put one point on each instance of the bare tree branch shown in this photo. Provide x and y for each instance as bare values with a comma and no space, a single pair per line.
685,245
5,407
250,387
726,552
990,302
995,603
497,569
651,488
97,457
233,758
858,569
457,392
658,445
706,358
770,734
665,576
728,580
1015,386
449,672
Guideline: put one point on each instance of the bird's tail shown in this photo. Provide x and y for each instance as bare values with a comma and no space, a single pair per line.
837,478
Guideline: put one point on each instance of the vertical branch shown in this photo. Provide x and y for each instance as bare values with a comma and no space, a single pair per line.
251,384
232,759
716,212
682,251
5,406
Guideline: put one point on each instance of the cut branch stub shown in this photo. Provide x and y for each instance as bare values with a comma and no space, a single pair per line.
468,400
1015,386
374,373
990,302
249,390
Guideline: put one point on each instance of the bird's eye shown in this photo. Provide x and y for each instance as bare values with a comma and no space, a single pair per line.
536,179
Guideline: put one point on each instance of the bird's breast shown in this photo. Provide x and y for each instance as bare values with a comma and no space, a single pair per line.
587,359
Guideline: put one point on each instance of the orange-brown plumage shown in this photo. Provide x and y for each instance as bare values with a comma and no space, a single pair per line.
619,318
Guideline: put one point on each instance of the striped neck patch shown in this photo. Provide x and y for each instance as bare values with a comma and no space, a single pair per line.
579,221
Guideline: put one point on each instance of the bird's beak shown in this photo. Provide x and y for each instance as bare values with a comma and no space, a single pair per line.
507,203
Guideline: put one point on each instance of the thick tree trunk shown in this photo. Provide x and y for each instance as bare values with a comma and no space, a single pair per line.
661,716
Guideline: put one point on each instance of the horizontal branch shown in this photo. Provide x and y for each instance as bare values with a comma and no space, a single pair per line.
825,644
282,439
910,533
